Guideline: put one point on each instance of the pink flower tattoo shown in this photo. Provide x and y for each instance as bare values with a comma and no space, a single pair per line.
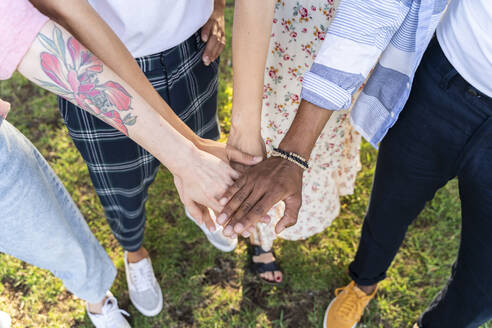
74,76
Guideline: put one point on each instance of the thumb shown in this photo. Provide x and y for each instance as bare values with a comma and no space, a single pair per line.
292,206
207,218
235,155
195,211
206,30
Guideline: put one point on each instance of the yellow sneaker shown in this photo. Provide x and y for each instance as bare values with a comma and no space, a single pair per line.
346,309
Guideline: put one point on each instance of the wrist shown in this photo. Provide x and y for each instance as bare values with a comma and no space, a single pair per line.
219,7
186,154
244,128
305,129
296,146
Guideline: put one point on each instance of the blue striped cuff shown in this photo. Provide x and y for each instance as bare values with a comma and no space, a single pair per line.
324,93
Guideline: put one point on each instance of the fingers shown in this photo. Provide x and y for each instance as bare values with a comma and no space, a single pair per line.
239,220
194,210
292,206
266,219
253,209
207,30
234,175
214,204
235,155
209,53
240,168
207,219
232,199
213,35
206,34
227,196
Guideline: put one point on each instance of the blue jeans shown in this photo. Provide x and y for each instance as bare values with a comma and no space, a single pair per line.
445,131
41,224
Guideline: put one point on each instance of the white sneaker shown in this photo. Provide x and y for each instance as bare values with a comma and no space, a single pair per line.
111,315
145,292
216,238
5,320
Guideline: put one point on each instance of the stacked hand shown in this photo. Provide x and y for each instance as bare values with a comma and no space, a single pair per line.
260,187
203,180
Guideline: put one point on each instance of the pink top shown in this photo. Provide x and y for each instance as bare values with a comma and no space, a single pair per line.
20,22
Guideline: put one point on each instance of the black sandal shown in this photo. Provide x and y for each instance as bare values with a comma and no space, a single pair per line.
258,267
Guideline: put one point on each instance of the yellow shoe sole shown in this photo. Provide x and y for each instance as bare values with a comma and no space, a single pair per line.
326,314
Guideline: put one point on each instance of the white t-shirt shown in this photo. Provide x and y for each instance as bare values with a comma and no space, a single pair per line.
465,36
151,26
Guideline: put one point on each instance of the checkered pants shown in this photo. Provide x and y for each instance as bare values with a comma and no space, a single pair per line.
121,171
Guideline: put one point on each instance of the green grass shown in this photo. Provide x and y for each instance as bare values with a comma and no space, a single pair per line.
203,287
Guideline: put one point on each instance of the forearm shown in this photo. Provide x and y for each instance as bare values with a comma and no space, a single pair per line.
305,129
250,42
85,25
60,64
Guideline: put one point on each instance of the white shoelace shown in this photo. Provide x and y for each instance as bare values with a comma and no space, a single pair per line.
113,315
142,276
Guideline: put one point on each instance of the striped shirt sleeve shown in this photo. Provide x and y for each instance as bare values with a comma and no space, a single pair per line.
359,33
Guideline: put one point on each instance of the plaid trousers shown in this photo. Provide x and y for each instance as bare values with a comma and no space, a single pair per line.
122,171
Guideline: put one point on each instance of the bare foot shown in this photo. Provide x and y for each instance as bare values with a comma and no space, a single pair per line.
272,276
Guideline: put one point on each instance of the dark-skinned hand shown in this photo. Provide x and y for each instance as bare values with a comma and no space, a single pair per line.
262,186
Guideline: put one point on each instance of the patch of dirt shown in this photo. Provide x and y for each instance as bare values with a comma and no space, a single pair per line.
295,306
15,287
223,273
183,313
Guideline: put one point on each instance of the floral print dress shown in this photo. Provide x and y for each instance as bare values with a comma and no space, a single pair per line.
299,29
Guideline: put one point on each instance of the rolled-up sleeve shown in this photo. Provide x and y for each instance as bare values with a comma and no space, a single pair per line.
359,33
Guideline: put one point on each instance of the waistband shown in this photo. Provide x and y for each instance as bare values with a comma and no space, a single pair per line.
452,75
155,61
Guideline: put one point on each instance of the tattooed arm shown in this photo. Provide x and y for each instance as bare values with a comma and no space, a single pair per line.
88,27
59,63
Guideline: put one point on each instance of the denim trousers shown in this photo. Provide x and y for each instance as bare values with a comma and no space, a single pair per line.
40,223
444,131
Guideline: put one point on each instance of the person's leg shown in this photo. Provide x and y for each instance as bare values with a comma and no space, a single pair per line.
42,225
416,158
419,155
466,300
120,170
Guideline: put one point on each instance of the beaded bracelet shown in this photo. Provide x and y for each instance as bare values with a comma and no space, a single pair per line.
292,157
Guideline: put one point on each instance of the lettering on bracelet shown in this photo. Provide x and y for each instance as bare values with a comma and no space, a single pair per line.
74,72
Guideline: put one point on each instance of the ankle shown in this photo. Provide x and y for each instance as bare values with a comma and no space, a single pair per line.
368,290
96,308
140,254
